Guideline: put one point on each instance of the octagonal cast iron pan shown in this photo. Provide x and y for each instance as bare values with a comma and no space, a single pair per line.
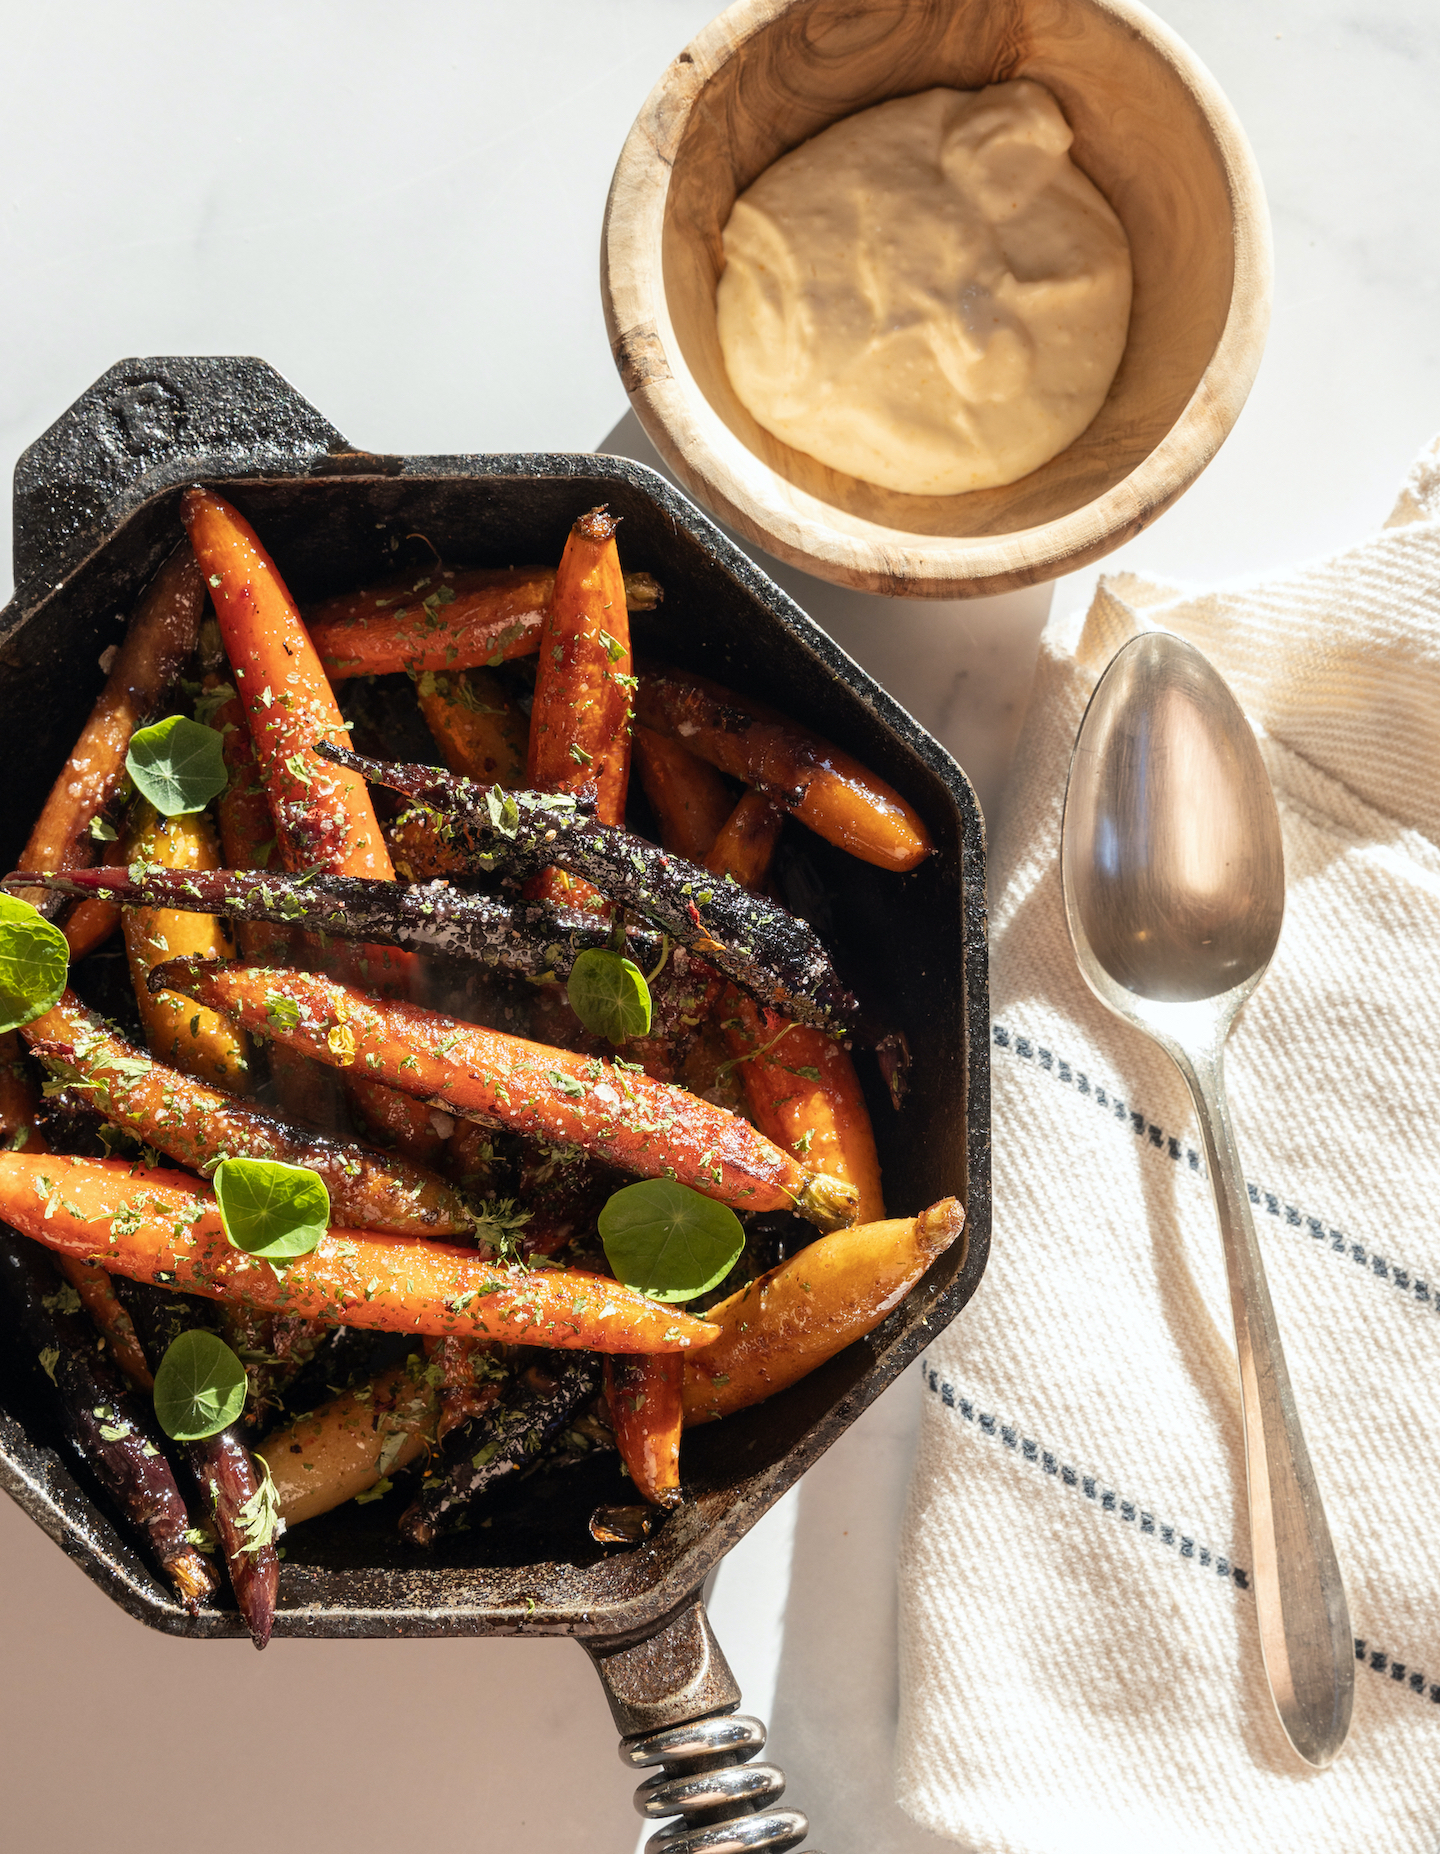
96,509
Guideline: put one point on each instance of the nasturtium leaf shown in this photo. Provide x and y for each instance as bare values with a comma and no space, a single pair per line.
271,1209
608,993
667,1241
178,765
199,1387
34,963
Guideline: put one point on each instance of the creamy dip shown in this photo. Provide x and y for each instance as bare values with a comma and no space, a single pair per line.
930,294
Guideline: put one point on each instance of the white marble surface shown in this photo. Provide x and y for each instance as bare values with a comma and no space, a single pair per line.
399,208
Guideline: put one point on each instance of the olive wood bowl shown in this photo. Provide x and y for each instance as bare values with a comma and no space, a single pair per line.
1153,132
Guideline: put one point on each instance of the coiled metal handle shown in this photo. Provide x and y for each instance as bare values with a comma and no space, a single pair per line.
706,1778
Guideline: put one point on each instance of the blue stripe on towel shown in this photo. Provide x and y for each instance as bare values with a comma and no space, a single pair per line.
1130,1512
1336,1242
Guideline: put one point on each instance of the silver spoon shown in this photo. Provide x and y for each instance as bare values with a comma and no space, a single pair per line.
1174,879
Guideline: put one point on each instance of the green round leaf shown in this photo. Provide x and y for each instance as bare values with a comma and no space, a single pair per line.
178,765
608,993
199,1387
667,1241
271,1209
34,963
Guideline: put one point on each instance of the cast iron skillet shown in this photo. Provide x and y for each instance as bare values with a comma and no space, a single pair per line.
95,510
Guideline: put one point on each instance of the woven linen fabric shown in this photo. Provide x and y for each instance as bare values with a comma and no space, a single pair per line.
1080,1663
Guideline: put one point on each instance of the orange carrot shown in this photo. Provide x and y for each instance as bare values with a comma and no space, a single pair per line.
647,1411
160,636
615,1113
323,815
161,1226
19,1099
744,847
477,728
580,723
446,619
827,789
689,798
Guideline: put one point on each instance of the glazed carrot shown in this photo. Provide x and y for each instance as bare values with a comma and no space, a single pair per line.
199,1126
470,1374
444,620
801,1088
350,1444
160,636
786,1324
689,798
201,1043
825,788
580,723
322,814
163,1226
394,1120
476,726
102,1303
636,1124
802,1091
647,1412
744,847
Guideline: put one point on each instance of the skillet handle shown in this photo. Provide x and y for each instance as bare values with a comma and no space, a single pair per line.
149,425
675,1701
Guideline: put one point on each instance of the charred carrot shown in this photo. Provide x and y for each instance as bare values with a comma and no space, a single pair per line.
470,1373
647,1412
19,1098
827,789
350,1444
791,1320
201,1043
161,635
444,620
538,1402
478,729
322,815
222,1466
199,1126
163,1226
638,1125
745,844
753,941
112,1321
527,937
689,798
113,1434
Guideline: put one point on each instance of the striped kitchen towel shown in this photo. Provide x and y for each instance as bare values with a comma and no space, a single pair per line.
1080,1667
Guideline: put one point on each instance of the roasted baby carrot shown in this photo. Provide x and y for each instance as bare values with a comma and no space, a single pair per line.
478,729
160,636
322,815
802,1091
689,798
199,1126
162,1226
827,789
350,1444
444,620
201,1043
647,1412
788,1322
19,1098
638,1125
744,846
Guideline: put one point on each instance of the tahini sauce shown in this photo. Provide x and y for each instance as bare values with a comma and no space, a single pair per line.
929,294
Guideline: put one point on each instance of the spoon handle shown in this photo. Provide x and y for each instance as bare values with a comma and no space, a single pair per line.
1299,1595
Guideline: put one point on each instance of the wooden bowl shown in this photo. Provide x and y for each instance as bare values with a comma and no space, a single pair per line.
1151,130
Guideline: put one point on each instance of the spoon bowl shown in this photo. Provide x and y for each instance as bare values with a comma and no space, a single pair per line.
1173,871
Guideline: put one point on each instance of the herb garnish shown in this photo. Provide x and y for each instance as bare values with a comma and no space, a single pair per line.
34,963
271,1209
667,1241
608,993
199,1387
178,765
